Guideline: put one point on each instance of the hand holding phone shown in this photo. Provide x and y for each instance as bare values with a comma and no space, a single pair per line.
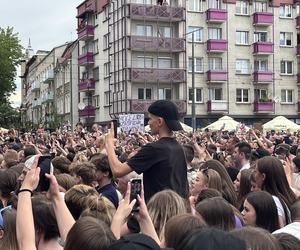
136,189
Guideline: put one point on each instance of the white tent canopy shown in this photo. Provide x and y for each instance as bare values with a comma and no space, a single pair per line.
185,127
230,124
280,123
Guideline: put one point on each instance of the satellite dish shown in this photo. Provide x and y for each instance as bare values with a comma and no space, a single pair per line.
276,99
81,106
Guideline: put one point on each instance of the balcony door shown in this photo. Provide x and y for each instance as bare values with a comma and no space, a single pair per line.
260,36
164,62
215,94
260,6
144,30
164,94
261,65
215,63
215,33
260,94
214,4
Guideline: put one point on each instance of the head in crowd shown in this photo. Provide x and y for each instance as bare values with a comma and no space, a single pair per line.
99,207
164,205
8,184
296,164
29,150
174,233
217,213
295,211
242,154
260,211
208,193
270,176
206,178
89,233
84,173
287,241
257,238
61,165
189,153
65,182
103,172
242,185
211,239
122,182
282,150
227,185
8,234
76,199
11,158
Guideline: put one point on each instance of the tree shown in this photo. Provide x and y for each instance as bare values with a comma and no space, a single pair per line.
10,58
9,117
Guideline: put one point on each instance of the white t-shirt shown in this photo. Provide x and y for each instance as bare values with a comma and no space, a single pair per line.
293,229
280,209
296,178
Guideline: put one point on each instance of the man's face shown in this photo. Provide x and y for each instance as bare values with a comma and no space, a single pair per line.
237,155
154,124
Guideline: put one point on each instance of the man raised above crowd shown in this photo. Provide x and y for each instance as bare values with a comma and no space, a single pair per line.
162,162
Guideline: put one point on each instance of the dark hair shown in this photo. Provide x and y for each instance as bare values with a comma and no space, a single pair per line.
245,148
296,161
295,209
217,213
29,150
9,240
62,164
102,164
8,182
188,152
174,234
265,209
44,217
287,241
207,193
85,170
245,185
89,233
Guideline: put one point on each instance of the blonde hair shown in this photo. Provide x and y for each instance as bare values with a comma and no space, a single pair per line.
213,179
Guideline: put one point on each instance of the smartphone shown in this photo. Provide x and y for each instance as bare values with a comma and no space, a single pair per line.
115,122
46,168
136,188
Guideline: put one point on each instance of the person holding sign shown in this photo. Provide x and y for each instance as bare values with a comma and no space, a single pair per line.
162,162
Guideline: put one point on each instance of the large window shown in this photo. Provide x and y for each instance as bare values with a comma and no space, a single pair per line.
144,94
215,4
242,66
198,64
144,30
287,95
286,67
242,7
215,94
242,95
197,96
260,36
242,37
215,63
286,11
164,94
214,33
286,38
196,5
261,65
198,33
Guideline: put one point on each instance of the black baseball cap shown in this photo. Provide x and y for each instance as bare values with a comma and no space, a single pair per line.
167,110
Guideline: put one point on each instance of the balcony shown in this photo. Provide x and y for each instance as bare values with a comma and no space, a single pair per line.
49,76
216,76
87,84
157,75
217,106
48,97
298,22
86,32
216,15
262,76
262,18
263,106
86,59
216,45
141,106
298,104
156,12
298,49
263,48
36,103
85,8
35,86
144,43
88,111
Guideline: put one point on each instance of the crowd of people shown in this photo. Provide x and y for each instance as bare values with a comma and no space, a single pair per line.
203,190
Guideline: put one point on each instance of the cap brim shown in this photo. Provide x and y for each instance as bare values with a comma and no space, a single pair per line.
174,125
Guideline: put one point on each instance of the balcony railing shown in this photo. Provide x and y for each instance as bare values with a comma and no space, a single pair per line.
217,106
216,45
49,76
87,84
35,86
263,107
88,111
156,44
263,76
156,12
216,75
298,22
36,103
141,106
263,48
86,7
86,32
298,104
157,75
49,96
262,18
298,78
86,59
216,15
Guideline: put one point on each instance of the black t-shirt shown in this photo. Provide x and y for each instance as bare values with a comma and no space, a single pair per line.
163,166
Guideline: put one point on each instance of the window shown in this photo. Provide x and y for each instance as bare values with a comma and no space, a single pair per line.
144,30
242,95
242,37
286,11
198,33
260,36
144,94
261,65
164,62
260,6
105,41
215,63
96,101
286,38
214,4
198,64
286,67
196,5
242,66
96,74
106,12
287,95
95,46
214,33
260,94
198,95
242,7
106,98
106,69
164,94
165,31
145,62
215,94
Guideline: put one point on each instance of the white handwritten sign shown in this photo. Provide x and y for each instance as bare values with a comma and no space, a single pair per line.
132,123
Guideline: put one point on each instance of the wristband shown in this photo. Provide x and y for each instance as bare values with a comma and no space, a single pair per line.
25,190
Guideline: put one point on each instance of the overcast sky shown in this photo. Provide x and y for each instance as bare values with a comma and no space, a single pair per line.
48,23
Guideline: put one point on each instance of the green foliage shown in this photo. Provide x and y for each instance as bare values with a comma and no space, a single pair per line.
9,117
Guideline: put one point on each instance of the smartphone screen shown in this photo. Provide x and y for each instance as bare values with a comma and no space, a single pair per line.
136,188
45,166
115,122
